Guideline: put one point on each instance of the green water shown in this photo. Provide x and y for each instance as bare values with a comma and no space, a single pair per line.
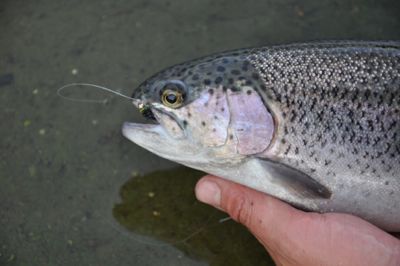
162,204
63,164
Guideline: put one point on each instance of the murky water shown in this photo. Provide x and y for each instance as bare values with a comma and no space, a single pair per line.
162,204
63,164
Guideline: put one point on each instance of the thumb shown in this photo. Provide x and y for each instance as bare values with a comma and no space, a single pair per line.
298,238
265,216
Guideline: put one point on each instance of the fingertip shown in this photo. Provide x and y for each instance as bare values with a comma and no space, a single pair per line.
208,191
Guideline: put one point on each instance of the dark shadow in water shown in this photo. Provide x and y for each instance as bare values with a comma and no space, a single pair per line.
162,205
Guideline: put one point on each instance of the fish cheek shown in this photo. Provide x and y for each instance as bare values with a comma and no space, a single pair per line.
207,119
251,122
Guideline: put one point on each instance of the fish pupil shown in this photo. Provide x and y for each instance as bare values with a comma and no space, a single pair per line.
171,98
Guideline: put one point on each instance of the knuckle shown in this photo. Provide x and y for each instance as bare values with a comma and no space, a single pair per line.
240,208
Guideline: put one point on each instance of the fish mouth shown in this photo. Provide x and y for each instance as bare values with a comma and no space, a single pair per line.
145,110
128,128
158,120
161,135
152,137
148,113
157,114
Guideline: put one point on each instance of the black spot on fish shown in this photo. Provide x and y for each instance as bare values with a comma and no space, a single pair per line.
222,109
203,123
207,82
211,91
248,92
234,88
255,76
220,69
285,130
218,80
185,123
287,149
230,136
245,67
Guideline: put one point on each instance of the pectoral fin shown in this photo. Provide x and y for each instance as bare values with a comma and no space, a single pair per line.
294,180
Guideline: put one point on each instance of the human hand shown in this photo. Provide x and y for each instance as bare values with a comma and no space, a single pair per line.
294,237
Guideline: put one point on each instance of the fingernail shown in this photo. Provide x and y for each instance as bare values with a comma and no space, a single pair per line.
209,192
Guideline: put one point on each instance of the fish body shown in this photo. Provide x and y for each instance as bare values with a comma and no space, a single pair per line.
316,125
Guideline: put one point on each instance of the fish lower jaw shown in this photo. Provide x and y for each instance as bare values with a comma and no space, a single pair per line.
129,127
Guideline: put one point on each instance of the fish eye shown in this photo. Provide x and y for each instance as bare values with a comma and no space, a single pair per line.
172,95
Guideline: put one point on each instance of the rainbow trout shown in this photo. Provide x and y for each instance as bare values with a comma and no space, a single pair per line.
316,125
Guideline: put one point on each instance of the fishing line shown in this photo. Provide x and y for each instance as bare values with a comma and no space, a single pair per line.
113,225
223,220
88,100
141,239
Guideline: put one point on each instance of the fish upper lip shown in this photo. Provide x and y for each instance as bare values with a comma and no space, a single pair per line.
137,103
147,110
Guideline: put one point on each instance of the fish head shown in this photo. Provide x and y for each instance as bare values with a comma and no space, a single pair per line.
206,114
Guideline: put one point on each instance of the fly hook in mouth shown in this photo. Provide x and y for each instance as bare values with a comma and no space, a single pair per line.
145,110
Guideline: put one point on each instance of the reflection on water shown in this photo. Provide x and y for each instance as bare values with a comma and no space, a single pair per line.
162,205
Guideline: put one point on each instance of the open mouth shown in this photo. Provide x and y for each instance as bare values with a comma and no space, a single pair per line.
148,114
157,118
146,111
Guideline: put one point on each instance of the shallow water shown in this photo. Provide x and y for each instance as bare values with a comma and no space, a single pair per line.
63,164
155,205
